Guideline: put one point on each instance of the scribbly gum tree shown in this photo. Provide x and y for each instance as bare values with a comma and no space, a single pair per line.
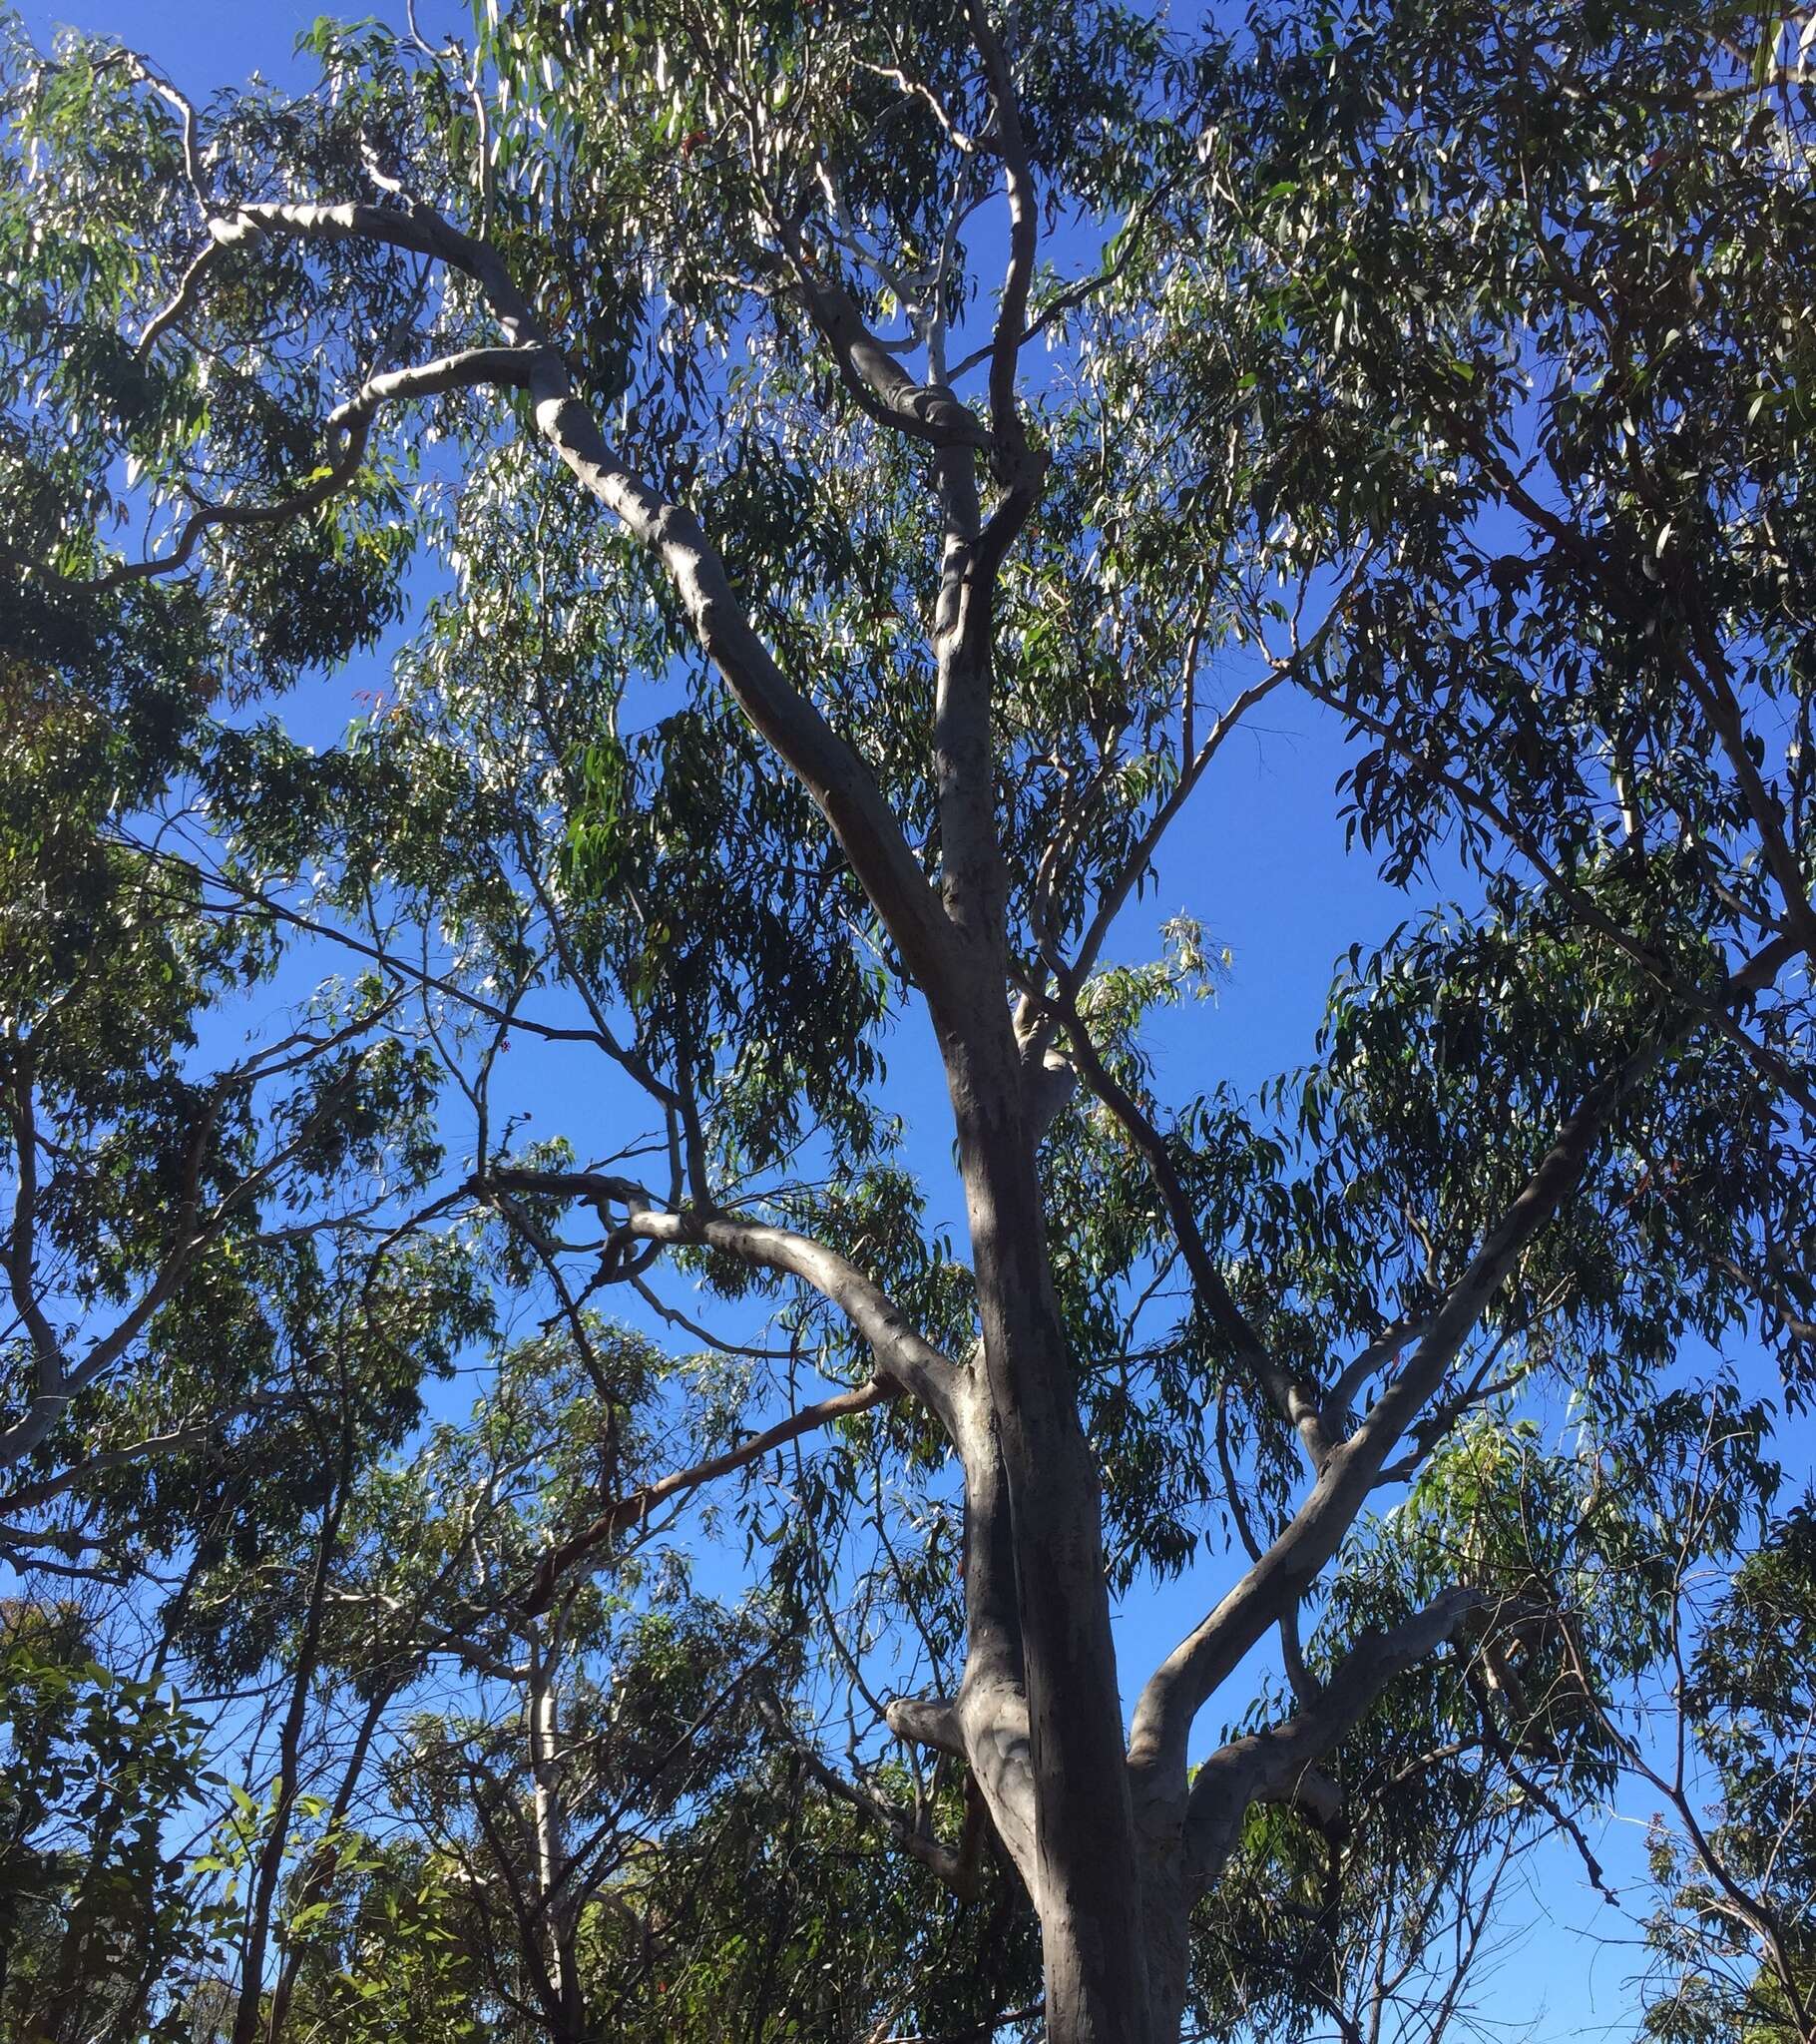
825,608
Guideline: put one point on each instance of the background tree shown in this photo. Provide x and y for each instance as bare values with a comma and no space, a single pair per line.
581,1729
94,1910
1731,1933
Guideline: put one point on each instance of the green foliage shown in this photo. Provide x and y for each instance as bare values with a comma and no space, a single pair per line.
1517,337
1500,365
783,1919
97,1917
1723,1971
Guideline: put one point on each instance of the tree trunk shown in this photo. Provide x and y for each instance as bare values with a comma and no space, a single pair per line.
550,1816
1085,1888
1167,1898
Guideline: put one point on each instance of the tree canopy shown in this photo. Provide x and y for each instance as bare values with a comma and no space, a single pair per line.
826,486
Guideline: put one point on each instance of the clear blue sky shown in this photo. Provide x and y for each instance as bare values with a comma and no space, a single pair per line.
1260,859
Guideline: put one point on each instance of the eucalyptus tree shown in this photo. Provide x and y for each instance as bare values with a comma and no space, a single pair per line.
166,1197
175,1724
768,684
574,1730
145,1151
1730,1942
587,1817
93,1764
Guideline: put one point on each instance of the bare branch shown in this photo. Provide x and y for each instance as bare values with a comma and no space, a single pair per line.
1017,178
958,1870
347,430
903,1356
637,1507
1068,298
140,68
1188,1676
928,412
197,1433
1293,1398
1115,896
1280,1763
